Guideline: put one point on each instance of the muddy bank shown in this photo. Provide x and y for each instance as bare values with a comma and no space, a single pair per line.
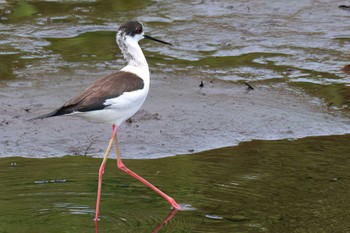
178,117
292,54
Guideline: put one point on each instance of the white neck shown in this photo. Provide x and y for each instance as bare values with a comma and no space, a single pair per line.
131,50
133,54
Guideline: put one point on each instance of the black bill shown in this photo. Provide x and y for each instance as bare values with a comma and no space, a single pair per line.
151,38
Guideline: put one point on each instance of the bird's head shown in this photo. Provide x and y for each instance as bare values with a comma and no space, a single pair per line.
135,30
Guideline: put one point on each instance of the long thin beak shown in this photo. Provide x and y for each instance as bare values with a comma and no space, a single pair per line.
151,38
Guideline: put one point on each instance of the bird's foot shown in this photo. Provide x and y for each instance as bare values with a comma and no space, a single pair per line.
173,203
121,165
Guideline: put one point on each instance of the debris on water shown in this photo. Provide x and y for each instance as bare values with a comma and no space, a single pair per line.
41,182
57,181
335,179
211,216
47,181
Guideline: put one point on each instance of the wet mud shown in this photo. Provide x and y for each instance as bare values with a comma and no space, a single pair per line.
290,54
178,117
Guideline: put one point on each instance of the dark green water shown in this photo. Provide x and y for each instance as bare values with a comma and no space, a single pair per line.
258,186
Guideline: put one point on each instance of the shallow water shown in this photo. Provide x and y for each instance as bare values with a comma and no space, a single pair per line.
259,186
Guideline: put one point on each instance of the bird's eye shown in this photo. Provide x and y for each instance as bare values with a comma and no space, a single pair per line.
138,30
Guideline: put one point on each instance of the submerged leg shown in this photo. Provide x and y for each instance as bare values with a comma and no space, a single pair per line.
122,167
101,171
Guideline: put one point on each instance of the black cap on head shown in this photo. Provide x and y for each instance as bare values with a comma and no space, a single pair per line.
131,28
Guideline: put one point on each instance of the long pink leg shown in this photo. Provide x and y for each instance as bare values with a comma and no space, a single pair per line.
122,167
101,171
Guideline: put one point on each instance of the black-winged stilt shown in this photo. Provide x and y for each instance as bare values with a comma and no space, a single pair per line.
116,97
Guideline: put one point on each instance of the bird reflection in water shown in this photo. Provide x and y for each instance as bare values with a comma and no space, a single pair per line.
159,226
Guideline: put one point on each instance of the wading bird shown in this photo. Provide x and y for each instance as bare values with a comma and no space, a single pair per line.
115,98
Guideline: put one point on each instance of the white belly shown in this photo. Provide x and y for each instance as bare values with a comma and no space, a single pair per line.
118,109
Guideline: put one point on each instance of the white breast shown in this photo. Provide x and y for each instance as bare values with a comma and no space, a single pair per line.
124,106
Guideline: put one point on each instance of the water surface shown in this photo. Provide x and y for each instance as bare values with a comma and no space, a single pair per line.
259,186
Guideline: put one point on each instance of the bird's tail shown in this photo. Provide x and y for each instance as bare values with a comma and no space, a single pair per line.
47,115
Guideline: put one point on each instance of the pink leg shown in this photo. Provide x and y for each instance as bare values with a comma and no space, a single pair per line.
122,167
101,171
